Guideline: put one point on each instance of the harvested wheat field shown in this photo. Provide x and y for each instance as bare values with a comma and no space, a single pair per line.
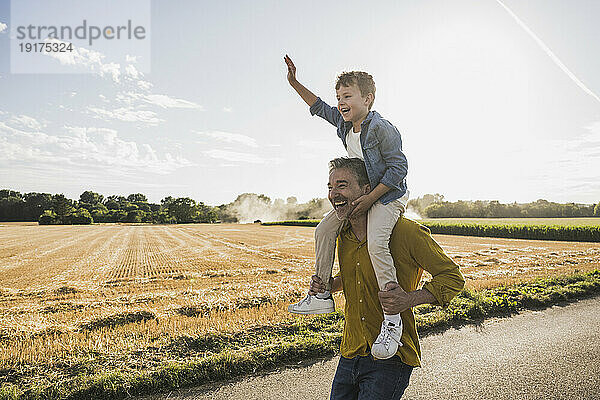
70,292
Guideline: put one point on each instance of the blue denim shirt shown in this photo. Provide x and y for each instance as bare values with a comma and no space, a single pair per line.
381,145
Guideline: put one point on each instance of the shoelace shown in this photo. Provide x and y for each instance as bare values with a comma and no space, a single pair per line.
388,337
305,300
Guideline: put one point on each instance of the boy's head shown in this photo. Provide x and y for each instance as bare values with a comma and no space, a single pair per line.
355,93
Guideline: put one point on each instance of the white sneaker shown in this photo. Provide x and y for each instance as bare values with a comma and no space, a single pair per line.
313,305
388,341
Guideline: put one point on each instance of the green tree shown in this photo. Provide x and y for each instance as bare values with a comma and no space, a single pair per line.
137,198
597,210
183,209
62,206
35,204
90,197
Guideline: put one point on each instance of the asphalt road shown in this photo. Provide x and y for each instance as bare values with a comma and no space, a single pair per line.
550,354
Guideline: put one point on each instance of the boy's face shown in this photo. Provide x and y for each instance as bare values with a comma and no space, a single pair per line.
351,104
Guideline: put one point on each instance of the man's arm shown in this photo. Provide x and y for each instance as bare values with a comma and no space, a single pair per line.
396,300
308,96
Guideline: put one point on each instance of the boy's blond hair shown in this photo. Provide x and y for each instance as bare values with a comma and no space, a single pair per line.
363,80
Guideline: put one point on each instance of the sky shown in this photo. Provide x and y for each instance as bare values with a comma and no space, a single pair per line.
495,100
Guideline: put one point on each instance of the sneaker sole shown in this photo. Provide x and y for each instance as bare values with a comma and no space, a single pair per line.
322,311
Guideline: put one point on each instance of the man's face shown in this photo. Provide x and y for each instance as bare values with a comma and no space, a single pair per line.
351,104
343,190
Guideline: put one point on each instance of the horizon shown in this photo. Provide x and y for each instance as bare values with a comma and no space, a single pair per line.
494,100
284,199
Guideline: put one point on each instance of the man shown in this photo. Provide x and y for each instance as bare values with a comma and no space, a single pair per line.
358,374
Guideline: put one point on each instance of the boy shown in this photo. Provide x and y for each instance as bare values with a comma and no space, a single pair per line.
365,135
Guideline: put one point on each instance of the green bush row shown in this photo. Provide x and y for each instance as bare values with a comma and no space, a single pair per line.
296,222
533,232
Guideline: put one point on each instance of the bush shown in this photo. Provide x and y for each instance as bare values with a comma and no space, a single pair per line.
81,217
48,218
532,232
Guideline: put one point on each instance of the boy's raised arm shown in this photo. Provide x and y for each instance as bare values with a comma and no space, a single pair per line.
308,96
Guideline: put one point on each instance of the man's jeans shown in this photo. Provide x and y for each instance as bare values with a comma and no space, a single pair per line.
363,378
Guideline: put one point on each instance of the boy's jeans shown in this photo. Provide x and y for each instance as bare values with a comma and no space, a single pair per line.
381,219
364,378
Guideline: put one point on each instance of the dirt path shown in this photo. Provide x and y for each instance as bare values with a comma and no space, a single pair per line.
545,354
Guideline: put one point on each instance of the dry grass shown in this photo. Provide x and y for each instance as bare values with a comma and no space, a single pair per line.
145,287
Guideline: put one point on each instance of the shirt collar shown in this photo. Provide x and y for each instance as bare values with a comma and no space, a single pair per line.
347,233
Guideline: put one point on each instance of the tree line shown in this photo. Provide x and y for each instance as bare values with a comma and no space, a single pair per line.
434,206
93,207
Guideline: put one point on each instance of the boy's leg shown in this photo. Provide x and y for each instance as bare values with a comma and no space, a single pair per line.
325,238
381,220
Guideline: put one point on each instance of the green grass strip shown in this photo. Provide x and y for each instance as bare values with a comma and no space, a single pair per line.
509,231
217,357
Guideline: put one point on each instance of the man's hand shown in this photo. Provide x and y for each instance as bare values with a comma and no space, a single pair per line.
316,285
291,75
362,205
395,300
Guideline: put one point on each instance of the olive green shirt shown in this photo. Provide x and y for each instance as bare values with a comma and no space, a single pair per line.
413,250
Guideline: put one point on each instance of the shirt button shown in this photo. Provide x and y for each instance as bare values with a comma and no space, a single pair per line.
360,301
357,263
362,319
359,282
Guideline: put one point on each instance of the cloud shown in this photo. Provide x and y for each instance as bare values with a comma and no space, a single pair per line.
83,147
237,156
229,137
165,101
144,85
566,167
132,71
160,100
126,114
24,122
228,109
3,26
90,59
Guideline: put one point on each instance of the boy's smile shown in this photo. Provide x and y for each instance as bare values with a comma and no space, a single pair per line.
352,105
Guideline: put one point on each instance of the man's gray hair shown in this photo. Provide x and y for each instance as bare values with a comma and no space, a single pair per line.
355,165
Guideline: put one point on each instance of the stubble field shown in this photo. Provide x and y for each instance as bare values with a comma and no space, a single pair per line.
70,293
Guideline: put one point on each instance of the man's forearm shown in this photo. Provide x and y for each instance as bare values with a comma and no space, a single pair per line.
336,284
421,296
396,300
308,96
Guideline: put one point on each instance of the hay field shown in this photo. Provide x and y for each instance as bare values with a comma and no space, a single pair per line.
69,293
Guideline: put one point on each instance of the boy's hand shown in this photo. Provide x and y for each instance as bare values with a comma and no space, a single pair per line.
291,75
362,205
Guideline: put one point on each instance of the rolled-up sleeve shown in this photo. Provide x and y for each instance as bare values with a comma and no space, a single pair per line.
325,111
447,280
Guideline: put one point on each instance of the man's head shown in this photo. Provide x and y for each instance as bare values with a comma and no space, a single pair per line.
348,181
355,93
